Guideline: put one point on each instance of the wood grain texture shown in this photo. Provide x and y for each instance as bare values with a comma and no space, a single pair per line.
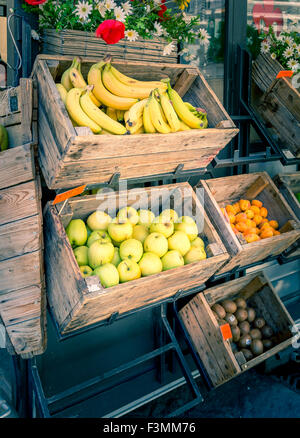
16,166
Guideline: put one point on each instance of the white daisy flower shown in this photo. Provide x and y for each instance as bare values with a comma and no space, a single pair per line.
157,2
148,9
273,55
294,45
184,51
131,35
119,14
288,40
83,10
158,28
293,64
265,47
288,53
34,35
102,9
298,49
110,4
127,8
168,49
204,36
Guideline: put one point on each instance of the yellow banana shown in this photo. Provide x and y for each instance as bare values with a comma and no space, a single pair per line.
112,113
77,113
130,82
65,78
99,116
78,82
184,126
140,130
135,116
104,132
102,94
169,111
62,91
156,116
148,125
126,116
120,115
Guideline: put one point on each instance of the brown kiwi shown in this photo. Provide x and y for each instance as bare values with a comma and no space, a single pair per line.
231,319
257,347
220,311
267,343
236,333
244,327
240,302
247,353
255,333
229,306
259,323
245,341
215,315
266,331
241,314
251,314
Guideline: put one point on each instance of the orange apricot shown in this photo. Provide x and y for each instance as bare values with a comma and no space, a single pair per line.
234,228
250,214
231,217
241,226
264,221
244,204
276,233
237,208
222,210
251,237
265,233
257,219
230,209
241,217
274,224
263,212
255,209
257,203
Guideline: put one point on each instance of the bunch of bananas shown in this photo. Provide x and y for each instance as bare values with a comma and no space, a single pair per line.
109,102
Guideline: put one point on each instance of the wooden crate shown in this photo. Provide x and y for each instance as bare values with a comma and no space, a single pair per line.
79,43
204,334
22,288
219,192
77,302
71,156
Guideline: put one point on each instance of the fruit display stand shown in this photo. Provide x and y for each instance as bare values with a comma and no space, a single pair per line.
67,154
214,351
218,192
78,302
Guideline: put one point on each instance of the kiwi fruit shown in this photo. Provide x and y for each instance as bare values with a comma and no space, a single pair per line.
251,314
236,333
231,319
255,333
257,347
244,327
259,323
266,331
247,353
219,310
241,303
241,314
229,306
245,341
267,343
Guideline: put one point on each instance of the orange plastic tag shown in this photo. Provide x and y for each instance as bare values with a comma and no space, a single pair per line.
285,74
226,331
69,194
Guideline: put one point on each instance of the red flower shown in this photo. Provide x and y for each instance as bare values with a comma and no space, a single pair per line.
162,10
35,2
111,31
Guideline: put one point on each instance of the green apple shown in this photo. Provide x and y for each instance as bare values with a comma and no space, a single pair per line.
128,270
98,235
173,259
150,264
179,241
98,220
100,253
76,232
128,214
195,254
89,231
164,227
156,243
146,217
197,243
81,255
108,275
169,215
131,249
140,232
188,226
86,271
119,230
116,258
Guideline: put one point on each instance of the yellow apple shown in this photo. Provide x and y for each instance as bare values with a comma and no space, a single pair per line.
128,270
108,275
140,232
195,254
81,255
179,241
169,215
98,235
98,220
150,264
197,243
146,217
86,271
116,258
89,231
164,227
131,249
128,214
156,243
120,231
173,259
188,226
76,232
100,253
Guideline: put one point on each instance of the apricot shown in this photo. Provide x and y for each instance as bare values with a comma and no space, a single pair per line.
241,226
234,228
222,210
267,232
264,221
250,214
231,218
257,219
251,237
230,209
276,233
255,209
274,224
257,203
244,204
263,212
241,217
237,208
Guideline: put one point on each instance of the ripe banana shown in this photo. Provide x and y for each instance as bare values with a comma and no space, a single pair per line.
140,130
77,113
130,82
134,118
78,82
99,116
65,79
120,115
102,94
184,126
148,125
169,111
62,92
156,116
112,113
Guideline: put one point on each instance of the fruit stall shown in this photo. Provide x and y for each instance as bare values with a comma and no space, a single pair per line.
143,211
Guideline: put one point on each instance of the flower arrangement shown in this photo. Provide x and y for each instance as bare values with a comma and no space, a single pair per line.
113,20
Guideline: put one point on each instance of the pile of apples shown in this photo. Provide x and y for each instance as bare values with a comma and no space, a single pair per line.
133,244
251,220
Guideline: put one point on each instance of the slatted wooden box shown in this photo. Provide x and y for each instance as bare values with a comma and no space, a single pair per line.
70,157
205,337
218,192
77,302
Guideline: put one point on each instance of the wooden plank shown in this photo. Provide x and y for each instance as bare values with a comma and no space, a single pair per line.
256,188
289,184
185,81
26,97
265,70
20,305
28,338
16,166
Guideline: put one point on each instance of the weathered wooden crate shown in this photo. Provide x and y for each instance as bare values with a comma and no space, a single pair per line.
218,192
22,288
78,302
204,334
79,43
71,156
